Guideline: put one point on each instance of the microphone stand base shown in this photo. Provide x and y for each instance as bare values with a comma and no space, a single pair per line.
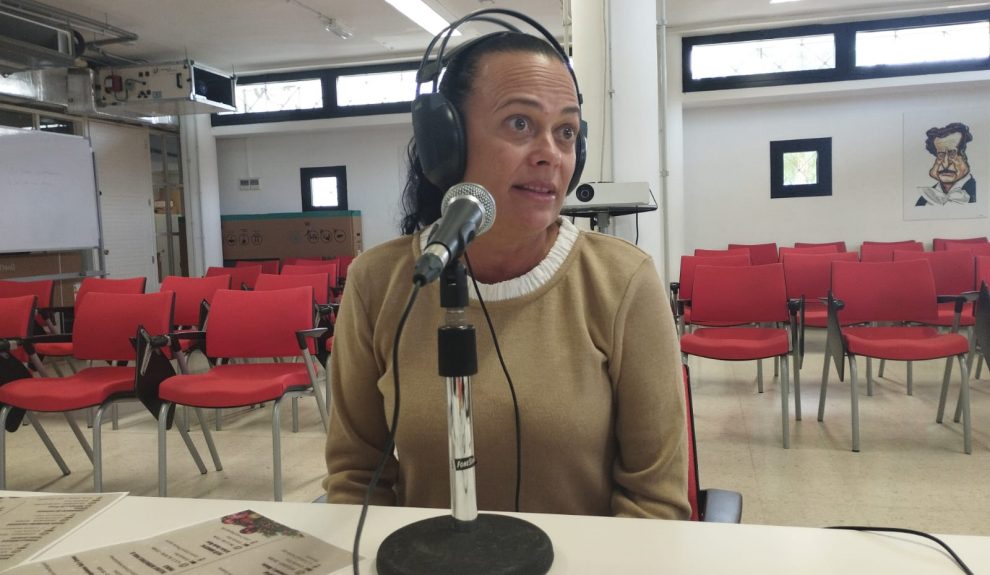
489,545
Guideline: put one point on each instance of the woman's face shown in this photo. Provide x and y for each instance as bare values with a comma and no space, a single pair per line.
522,120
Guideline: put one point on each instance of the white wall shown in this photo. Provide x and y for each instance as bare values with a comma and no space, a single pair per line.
374,157
727,175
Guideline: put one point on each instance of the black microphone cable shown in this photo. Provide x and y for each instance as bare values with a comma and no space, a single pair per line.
512,388
390,441
962,566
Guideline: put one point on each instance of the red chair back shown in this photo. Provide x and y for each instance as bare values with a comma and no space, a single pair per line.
304,261
834,246
239,276
784,251
105,325
15,315
940,244
106,285
190,293
884,251
41,289
258,323
759,254
318,281
982,270
954,272
885,291
977,249
345,263
267,266
739,294
703,253
810,275
329,267
689,263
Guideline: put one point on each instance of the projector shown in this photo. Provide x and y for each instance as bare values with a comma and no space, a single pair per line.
616,198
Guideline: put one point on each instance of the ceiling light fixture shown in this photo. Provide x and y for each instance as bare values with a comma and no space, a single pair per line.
421,14
782,1
337,28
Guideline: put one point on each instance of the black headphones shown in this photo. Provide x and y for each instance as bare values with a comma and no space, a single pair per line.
437,126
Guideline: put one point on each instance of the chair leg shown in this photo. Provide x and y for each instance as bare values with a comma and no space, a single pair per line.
869,376
979,367
4,411
277,449
216,417
295,414
192,450
98,449
824,387
784,404
48,442
958,414
115,416
883,364
776,366
79,434
320,403
945,390
964,402
797,384
854,394
910,377
162,472
209,439
759,375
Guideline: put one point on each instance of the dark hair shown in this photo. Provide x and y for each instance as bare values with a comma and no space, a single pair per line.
420,198
952,128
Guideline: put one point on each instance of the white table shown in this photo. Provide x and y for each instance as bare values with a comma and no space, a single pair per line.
581,544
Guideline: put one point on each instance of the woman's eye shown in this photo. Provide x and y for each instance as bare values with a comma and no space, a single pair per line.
568,133
519,124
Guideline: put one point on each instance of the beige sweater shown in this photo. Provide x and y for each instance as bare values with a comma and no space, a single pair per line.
594,358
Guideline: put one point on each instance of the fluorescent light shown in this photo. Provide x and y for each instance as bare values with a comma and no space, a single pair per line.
782,1
421,14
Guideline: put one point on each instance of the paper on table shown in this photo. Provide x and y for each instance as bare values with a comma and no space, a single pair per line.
242,543
30,525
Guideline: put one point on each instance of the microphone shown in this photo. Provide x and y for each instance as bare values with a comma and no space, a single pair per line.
467,210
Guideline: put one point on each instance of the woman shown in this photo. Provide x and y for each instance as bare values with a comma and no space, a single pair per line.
581,318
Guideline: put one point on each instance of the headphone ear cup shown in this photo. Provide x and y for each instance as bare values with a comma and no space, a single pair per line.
580,155
440,140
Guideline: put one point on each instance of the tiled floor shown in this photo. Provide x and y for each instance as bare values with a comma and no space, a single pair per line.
911,472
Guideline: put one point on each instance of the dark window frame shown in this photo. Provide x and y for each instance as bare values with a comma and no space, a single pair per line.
823,146
330,109
307,174
845,47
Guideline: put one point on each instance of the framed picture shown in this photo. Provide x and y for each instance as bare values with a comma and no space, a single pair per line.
801,168
945,163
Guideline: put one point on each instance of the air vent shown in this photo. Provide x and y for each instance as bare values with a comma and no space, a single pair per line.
169,89
28,45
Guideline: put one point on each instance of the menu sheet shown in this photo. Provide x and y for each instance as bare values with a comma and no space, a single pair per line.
29,525
242,543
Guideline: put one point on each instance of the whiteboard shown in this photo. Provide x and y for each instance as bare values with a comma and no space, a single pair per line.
48,196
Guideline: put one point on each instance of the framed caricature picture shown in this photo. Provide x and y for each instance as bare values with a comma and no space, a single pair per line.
945,164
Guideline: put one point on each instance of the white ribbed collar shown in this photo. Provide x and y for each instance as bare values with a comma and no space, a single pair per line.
534,278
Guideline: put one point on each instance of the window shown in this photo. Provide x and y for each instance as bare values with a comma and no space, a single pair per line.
324,188
380,88
278,96
800,168
929,44
833,52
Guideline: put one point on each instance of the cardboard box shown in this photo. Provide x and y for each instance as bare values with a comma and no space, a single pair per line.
45,265
298,235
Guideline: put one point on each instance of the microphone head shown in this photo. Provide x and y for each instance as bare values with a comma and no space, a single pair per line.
479,193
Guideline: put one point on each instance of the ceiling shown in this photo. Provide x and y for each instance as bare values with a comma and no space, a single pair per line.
255,35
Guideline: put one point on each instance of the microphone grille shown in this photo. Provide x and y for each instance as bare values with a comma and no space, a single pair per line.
479,193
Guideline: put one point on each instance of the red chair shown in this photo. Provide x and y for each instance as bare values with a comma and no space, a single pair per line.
744,295
703,253
954,273
835,246
41,289
304,261
708,505
982,276
344,263
329,267
682,290
193,297
899,292
785,251
89,285
884,251
267,266
16,314
104,327
317,280
939,244
759,254
279,324
977,249
240,278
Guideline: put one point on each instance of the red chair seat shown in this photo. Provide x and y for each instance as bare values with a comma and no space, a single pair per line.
57,349
87,388
815,314
688,321
737,343
235,385
903,343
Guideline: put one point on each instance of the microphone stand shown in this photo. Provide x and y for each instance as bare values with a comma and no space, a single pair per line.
464,541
